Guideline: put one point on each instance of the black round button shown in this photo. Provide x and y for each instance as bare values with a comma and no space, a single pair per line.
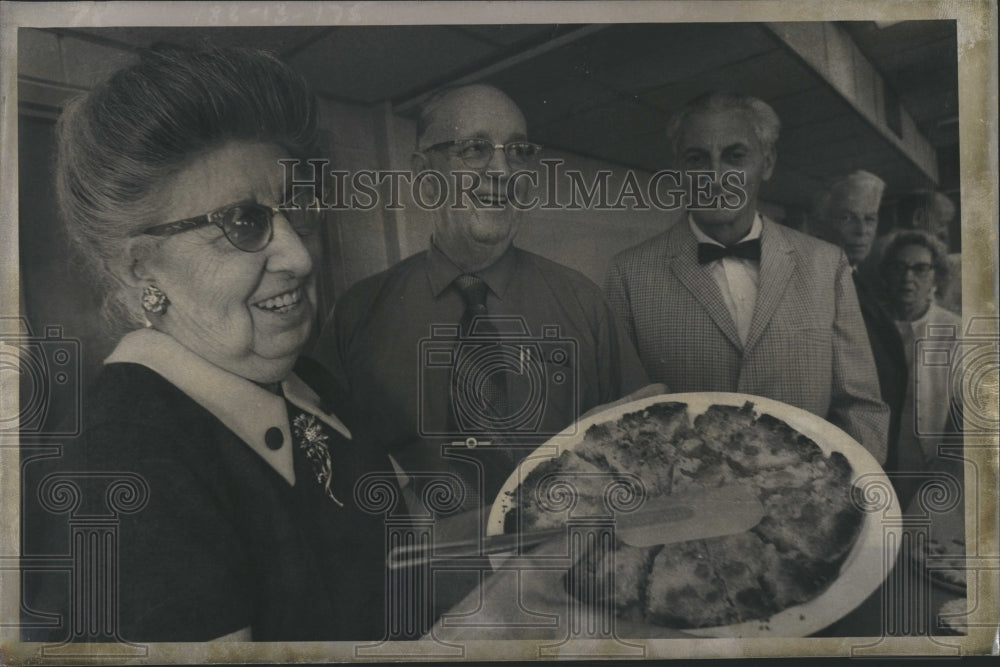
273,438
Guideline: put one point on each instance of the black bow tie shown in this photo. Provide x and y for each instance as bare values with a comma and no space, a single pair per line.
709,252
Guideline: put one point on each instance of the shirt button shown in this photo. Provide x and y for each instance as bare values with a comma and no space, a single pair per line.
273,438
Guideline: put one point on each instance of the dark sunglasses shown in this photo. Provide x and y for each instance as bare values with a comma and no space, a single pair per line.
477,153
248,225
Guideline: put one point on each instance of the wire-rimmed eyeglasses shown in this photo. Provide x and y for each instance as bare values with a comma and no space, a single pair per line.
476,153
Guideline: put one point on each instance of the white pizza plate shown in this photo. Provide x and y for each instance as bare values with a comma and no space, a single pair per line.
861,572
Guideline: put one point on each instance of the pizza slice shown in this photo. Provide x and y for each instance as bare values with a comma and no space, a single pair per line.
817,520
615,577
662,420
792,578
792,476
719,423
698,464
606,446
740,561
543,493
684,590
640,442
653,440
769,443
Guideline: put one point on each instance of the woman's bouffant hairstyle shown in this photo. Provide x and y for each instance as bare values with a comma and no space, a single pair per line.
118,143
939,254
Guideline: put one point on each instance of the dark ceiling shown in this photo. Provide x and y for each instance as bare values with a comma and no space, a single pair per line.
919,60
606,90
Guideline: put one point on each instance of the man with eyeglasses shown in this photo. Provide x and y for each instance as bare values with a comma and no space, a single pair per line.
846,214
474,344
728,300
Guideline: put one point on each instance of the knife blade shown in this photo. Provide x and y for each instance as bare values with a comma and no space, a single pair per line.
690,515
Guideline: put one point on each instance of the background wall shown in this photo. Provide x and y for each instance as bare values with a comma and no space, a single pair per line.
358,243
595,96
366,242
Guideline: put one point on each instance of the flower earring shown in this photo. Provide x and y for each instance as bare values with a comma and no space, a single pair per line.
154,300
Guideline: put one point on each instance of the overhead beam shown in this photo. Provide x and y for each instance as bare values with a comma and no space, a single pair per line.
503,64
830,52
44,99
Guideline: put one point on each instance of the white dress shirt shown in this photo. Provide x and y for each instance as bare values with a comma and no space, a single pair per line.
737,278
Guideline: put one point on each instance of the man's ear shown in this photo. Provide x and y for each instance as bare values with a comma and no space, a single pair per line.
920,219
770,158
418,162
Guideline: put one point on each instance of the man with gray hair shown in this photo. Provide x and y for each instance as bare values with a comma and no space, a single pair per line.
728,300
846,214
458,301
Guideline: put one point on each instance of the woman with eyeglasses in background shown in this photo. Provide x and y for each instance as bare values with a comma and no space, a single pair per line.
170,183
913,266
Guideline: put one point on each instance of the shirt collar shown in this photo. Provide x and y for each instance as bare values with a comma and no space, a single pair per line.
702,237
442,271
247,409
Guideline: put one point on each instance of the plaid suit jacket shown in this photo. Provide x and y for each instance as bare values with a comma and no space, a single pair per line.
807,344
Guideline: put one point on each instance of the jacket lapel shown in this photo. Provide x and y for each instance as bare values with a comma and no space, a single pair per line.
777,264
683,253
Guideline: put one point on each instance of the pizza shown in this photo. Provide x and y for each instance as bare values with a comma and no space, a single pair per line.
810,518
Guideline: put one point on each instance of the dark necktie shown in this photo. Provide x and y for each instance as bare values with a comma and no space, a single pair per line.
479,387
709,252
479,394
473,290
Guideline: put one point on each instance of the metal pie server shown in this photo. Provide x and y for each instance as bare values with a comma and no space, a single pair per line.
689,515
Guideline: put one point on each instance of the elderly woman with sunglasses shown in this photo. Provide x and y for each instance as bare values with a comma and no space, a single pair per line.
170,179
913,266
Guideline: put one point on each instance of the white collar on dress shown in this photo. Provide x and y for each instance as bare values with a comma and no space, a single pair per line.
923,320
247,409
755,231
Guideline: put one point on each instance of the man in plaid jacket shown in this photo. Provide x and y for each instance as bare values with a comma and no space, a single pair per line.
728,300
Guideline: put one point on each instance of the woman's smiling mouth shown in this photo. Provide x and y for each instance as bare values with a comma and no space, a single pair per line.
281,303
